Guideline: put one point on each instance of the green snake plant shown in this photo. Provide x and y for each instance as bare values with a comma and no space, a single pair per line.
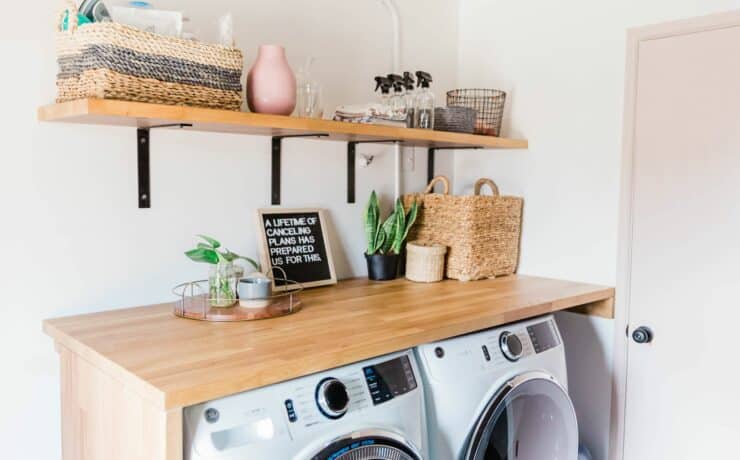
387,237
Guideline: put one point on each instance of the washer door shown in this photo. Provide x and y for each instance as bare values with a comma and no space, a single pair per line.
530,418
369,445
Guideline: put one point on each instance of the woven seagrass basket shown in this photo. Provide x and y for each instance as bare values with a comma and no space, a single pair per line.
481,232
425,262
114,61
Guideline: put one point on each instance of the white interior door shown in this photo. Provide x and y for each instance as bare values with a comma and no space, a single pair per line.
683,388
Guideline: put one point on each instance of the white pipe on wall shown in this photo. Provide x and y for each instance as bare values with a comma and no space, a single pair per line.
390,5
392,8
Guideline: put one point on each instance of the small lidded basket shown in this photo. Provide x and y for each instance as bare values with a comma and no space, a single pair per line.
425,262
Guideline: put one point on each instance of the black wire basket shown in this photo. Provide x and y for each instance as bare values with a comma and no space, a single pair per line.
488,103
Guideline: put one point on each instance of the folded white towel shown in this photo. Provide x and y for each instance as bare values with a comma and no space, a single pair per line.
364,110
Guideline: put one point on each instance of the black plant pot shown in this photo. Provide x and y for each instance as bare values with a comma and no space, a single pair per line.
382,267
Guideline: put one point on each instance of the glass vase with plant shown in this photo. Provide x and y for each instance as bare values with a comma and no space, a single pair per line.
224,274
385,239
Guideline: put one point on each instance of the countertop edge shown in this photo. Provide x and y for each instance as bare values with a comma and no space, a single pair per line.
146,390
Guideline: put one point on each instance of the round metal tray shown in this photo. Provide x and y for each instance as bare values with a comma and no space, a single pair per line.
194,303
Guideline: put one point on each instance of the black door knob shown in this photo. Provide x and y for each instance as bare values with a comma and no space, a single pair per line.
642,335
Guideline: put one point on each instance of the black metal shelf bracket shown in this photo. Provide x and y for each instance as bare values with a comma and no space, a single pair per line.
352,164
142,163
144,172
431,154
277,154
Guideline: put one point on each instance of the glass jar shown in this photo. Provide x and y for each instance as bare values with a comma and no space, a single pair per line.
308,103
222,283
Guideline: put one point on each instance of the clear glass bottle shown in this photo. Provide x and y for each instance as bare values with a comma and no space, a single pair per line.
384,85
308,92
424,112
397,100
410,96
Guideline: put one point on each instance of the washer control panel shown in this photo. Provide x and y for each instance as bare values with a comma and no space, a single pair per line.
389,379
278,421
492,349
543,336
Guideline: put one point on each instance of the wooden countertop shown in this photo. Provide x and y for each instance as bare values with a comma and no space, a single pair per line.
175,362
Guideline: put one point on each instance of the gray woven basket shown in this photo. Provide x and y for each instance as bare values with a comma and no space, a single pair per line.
114,61
455,119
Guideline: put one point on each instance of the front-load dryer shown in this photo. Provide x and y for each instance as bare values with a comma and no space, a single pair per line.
368,410
500,394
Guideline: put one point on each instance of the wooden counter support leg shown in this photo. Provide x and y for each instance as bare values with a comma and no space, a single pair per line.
602,308
104,419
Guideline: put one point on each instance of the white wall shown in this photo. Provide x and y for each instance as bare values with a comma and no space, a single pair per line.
74,239
563,66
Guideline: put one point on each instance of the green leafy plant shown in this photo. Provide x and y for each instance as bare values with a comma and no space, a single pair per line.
208,252
223,278
387,237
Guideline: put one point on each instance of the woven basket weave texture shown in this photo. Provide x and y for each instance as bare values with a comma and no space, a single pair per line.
425,263
115,61
482,233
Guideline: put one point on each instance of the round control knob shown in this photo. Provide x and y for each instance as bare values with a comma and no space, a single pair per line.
332,398
642,335
511,346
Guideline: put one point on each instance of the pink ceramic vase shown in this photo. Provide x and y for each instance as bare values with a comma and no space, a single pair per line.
271,86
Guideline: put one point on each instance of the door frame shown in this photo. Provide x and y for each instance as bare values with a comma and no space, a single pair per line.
635,37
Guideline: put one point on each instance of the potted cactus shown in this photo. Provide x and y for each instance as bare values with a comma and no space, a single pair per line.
385,239
224,274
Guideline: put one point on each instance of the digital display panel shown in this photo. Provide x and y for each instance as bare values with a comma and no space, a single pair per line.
389,379
543,336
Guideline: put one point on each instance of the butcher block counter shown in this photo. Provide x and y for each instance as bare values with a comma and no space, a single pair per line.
126,374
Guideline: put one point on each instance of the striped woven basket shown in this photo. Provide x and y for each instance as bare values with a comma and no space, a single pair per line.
114,61
481,232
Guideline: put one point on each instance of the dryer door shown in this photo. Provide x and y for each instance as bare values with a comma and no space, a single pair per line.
369,445
530,418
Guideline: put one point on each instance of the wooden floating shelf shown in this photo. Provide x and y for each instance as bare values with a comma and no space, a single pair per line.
142,115
145,117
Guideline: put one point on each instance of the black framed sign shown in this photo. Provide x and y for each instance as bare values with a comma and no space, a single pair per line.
296,240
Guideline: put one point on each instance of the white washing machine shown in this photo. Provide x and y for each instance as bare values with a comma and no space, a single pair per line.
368,410
500,394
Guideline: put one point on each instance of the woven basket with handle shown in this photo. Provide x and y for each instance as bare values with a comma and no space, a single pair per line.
481,232
107,60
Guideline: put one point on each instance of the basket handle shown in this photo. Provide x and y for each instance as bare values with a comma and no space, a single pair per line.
445,182
484,181
71,10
